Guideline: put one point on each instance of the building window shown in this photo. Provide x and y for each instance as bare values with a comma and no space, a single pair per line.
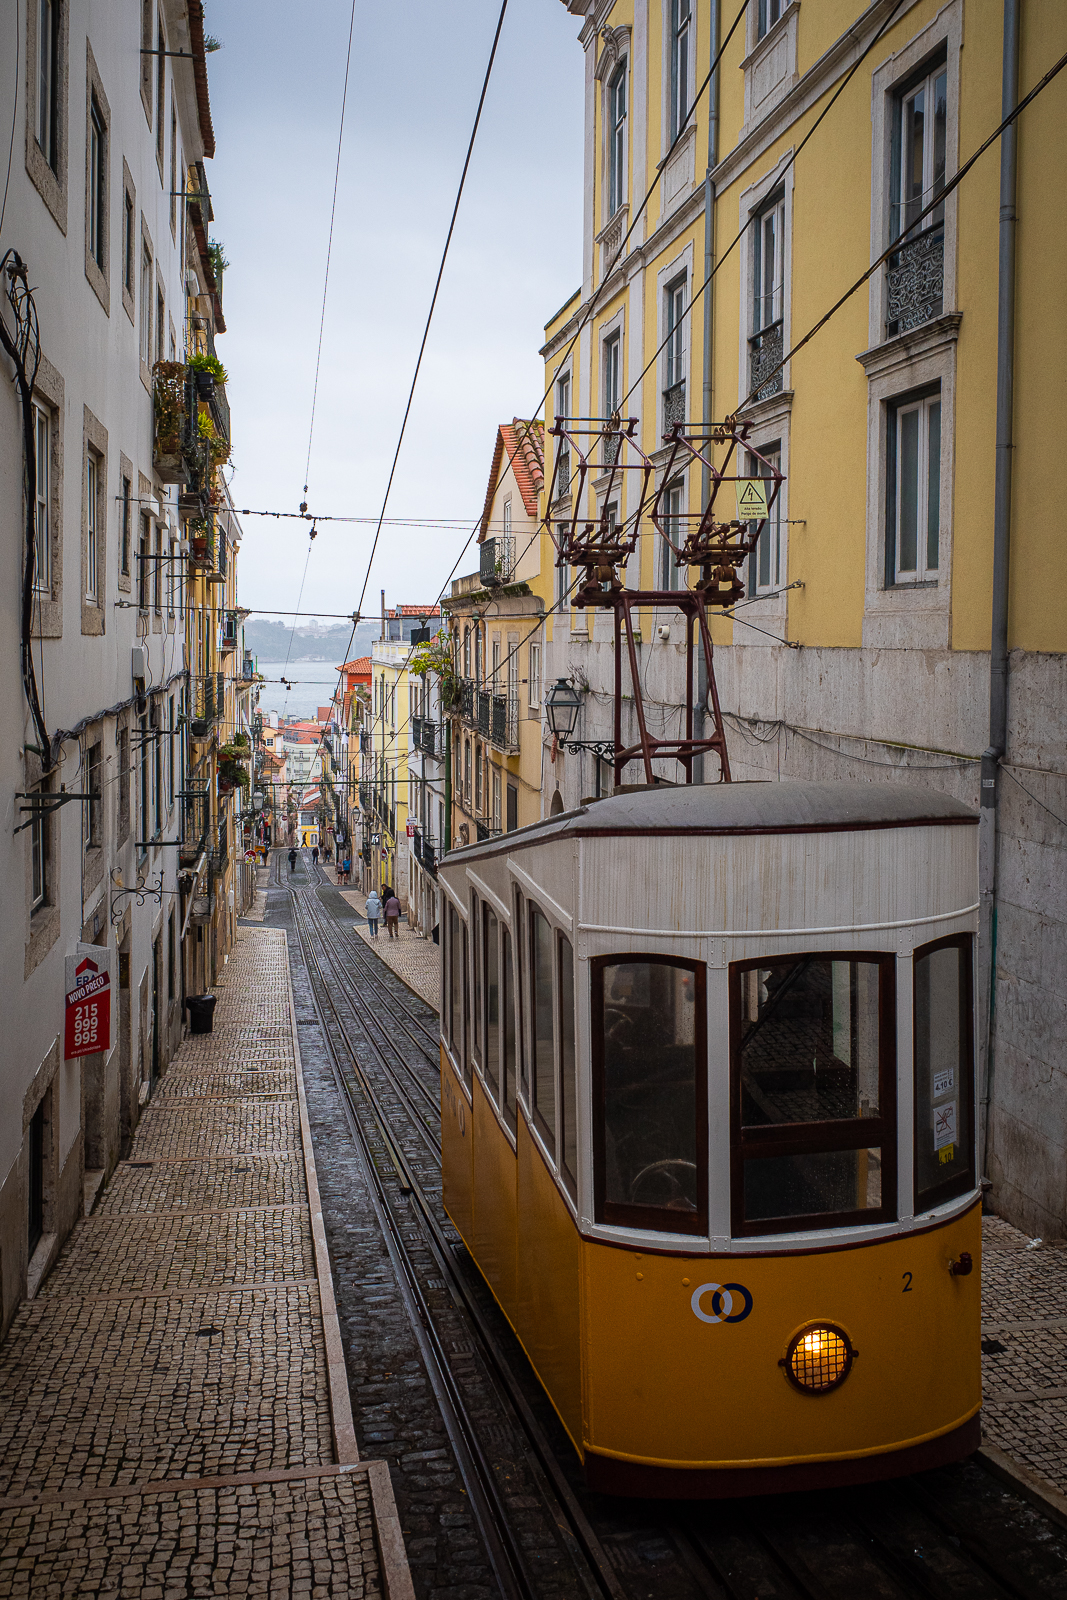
674,354
478,764
173,169
535,675
681,20
142,784
125,515
94,773
146,305
42,522
617,140
97,183
766,346
915,274
563,453
144,551
40,850
157,572
47,129
765,562
768,13
124,784
92,527
161,325
612,377
496,802
146,55
128,242
161,83
913,491
670,572
467,771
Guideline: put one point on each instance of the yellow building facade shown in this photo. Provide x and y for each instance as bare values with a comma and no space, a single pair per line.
495,627
828,135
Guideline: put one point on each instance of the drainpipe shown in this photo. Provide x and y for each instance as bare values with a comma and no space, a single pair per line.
706,410
998,650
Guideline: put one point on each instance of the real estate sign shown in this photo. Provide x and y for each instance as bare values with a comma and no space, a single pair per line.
87,1023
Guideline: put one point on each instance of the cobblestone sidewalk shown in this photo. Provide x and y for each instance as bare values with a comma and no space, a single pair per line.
1024,1349
414,959
174,1416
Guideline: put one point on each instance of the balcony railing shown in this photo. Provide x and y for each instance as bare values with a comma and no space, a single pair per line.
765,351
673,405
424,735
208,702
915,282
466,700
496,561
484,721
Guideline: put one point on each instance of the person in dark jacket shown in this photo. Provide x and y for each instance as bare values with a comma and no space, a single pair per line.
392,917
292,861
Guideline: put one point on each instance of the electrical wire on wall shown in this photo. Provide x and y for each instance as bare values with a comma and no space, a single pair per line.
23,346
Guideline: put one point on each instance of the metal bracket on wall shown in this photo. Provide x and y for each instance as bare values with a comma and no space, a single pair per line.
142,891
42,805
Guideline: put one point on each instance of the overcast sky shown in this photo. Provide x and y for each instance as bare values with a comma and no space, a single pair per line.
416,72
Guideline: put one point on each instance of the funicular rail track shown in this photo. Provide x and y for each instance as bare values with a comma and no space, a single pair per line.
952,1533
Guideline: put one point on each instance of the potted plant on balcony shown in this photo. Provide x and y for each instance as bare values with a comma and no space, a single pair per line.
207,371
218,447
168,397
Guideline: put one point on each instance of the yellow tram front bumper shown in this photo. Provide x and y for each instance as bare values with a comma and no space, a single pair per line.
684,1387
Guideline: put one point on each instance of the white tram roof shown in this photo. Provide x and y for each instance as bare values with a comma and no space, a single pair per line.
739,808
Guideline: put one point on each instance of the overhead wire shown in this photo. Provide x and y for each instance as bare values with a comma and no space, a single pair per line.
329,247
433,300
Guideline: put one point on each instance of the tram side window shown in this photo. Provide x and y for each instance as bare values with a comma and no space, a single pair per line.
507,1002
649,1050
491,1020
476,973
453,999
813,1136
465,995
541,1005
520,980
944,1071
568,1068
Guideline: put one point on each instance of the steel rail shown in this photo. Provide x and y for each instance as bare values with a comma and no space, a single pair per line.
557,1487
487,1507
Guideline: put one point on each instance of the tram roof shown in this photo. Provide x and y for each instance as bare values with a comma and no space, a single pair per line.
741,808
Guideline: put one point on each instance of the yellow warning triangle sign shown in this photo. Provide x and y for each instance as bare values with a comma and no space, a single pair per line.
751,499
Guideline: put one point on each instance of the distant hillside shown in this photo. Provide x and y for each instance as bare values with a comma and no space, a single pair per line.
315,642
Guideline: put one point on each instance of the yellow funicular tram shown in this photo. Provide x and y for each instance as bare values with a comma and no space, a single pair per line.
708,1112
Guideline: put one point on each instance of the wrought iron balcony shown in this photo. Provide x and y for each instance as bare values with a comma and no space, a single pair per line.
486,832
425,734
765,351
466,699
485,713
496,561
915,282
208,703
673,405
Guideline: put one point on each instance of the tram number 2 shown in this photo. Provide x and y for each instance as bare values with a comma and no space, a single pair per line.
906,1277
455,1104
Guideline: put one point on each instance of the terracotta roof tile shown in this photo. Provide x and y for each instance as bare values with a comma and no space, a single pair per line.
525,446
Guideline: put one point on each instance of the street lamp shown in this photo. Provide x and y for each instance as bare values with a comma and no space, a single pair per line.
561,708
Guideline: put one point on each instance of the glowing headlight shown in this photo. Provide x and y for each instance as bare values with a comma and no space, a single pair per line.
819,1359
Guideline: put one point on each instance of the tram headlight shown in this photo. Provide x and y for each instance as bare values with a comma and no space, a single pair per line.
819,1358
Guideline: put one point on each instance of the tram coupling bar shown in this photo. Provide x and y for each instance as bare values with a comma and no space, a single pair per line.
963,1267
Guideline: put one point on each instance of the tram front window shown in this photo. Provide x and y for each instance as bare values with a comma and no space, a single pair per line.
813,1070
944,1071
650,1079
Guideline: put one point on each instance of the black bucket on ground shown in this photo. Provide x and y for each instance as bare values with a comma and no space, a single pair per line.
201,1012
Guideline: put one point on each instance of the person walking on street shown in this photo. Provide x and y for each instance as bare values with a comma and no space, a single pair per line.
374,911
392,917
292,861
315,856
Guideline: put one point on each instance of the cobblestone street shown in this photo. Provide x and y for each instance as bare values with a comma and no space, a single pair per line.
174,1415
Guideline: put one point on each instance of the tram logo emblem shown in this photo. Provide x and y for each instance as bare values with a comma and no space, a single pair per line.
730,1302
